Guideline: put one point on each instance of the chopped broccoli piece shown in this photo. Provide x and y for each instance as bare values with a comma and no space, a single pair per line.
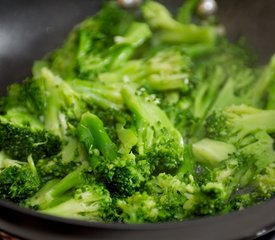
172,31
234,123
158,140
121,172
167,198
57,191
240,168
19,180
89,202
212,152
21,135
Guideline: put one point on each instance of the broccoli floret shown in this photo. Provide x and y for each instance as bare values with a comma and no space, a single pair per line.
53,101
100,94
88,41
138,208
89,202
99,50
19,180
178,107
229,80
167,198
172,31
91,64
244,199
159,142
162,70
234,123
72,156
121,172
22,135
239,169
264,182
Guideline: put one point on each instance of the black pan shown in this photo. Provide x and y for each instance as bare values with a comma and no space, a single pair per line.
29,29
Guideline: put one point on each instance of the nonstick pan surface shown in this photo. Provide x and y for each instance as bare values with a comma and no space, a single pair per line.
29,29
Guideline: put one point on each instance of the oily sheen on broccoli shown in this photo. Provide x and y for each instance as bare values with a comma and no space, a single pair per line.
141,117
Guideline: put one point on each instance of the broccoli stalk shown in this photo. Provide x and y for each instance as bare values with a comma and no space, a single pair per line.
212,152
56,191
186,11
172,31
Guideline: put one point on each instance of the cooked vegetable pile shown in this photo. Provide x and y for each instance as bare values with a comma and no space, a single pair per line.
139,117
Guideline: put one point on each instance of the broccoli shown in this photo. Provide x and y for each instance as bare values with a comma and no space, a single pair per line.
212,152
171,31
50,99
57,191
89,202
72,156
166,198
233,124
159,142
88,41
138,208
113,56
19,180
121,172
229,170
161,71
264,182
152,118
186,12
22,135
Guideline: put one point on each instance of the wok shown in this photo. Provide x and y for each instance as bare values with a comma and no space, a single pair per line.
29,29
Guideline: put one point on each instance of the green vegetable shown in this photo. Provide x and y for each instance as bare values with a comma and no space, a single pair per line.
152,118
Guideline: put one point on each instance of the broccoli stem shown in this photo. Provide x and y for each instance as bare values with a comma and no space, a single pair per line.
56,191
186,11
97,135
212,152
146,111
172,31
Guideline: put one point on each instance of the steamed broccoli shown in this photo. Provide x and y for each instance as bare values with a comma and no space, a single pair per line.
86,51
148,119
166,198
89,202
162,70
19,180
233,124
57,191
230,168
171,31
159,142
122,173
22,135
